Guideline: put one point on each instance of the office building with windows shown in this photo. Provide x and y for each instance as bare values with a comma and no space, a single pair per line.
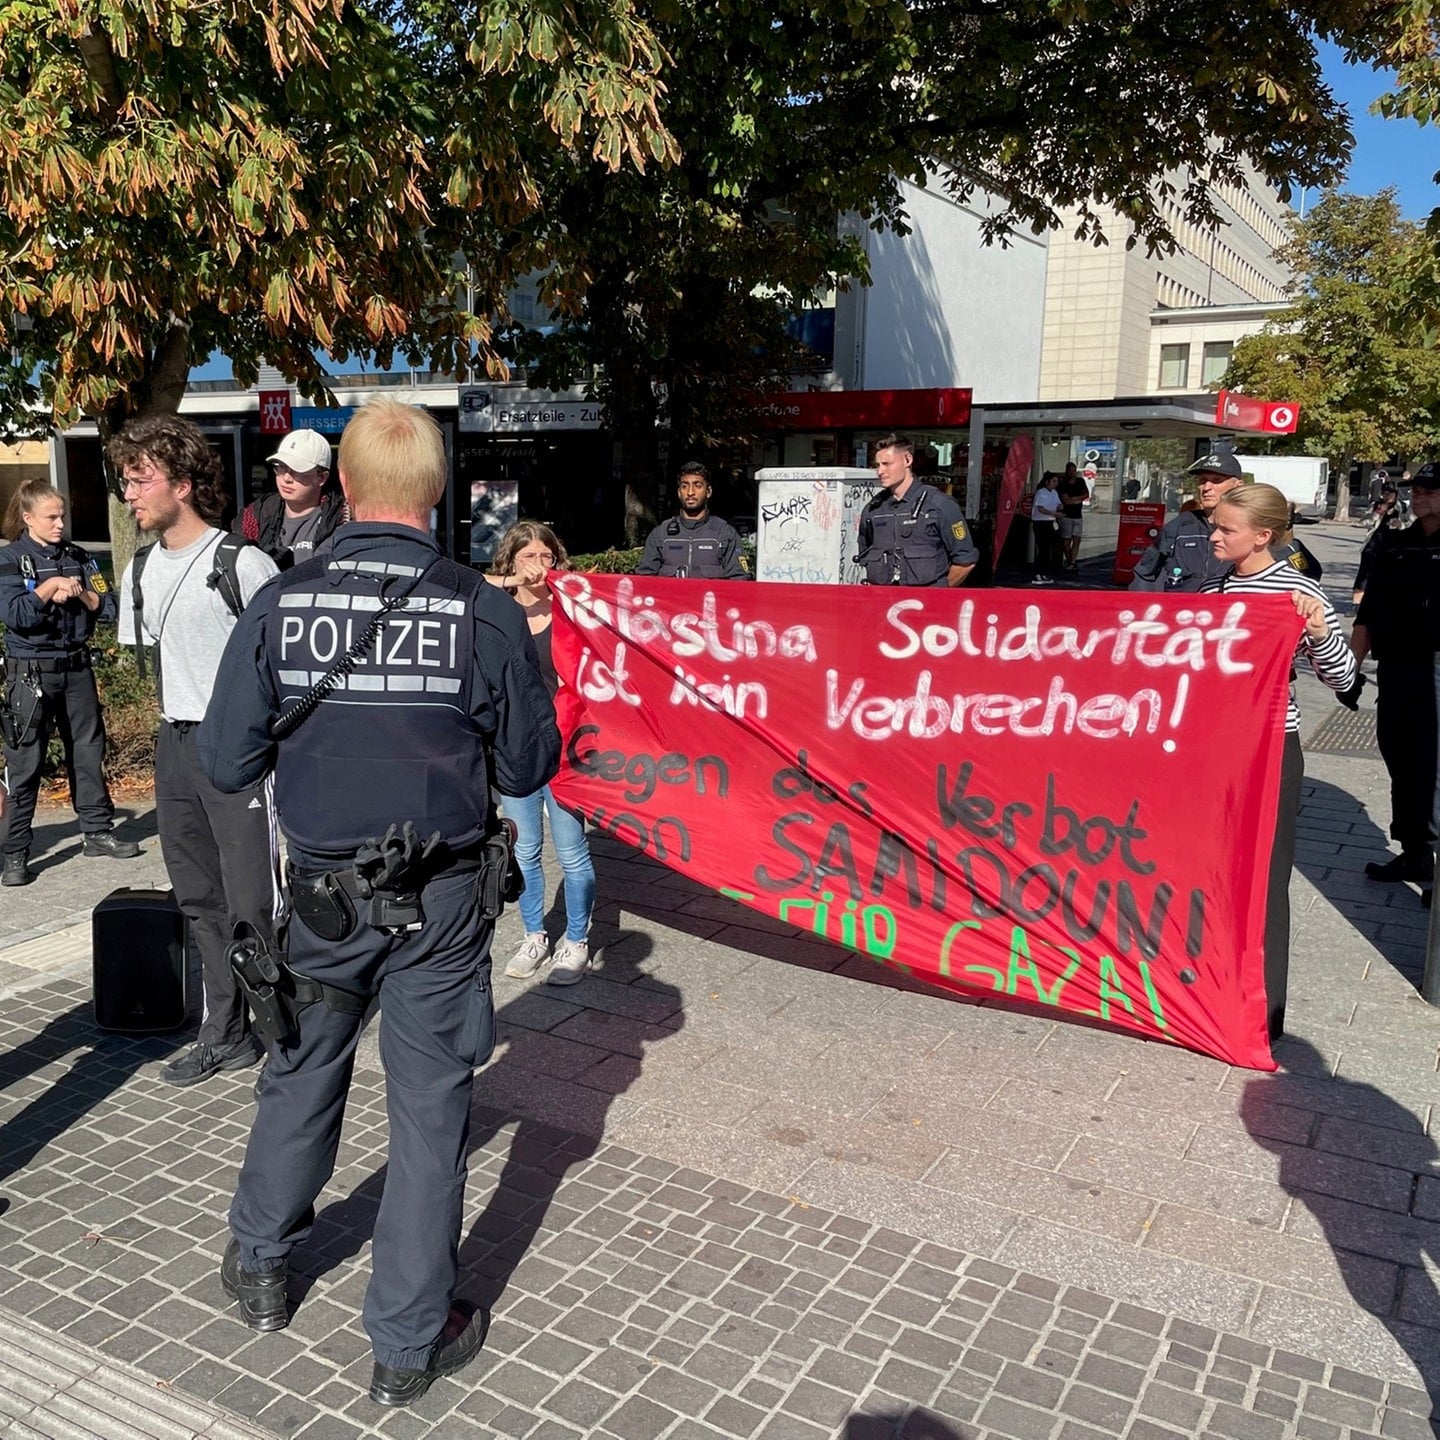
1123,322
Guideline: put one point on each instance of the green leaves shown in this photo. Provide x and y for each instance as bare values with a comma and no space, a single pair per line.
1357,349
269,176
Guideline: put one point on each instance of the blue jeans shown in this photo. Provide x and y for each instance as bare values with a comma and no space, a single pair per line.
571,849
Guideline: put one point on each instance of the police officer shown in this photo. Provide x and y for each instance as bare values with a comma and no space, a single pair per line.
694,544
1181,558
910,532
432,677
52,595
1399,623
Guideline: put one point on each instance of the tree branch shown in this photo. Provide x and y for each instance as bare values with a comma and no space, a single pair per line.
99,57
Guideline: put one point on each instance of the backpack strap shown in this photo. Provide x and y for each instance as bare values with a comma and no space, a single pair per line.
224,576
137,603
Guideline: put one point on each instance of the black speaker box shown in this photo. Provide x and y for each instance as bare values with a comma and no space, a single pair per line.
138,940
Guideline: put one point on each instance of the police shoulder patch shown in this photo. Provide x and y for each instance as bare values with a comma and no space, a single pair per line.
958,529
1298,561
98,583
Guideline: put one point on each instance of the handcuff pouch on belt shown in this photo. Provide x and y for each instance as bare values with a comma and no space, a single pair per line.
322,903
275,993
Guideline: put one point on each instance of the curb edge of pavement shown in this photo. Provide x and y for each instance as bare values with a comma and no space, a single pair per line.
93,1387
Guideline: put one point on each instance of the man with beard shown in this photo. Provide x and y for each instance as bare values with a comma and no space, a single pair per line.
694,544
220,850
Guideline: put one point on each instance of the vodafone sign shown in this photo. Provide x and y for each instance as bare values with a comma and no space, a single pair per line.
1246,412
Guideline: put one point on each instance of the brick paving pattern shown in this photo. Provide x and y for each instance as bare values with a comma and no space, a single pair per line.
630,1297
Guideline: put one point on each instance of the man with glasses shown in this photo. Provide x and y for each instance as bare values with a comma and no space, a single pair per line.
301,515
220,850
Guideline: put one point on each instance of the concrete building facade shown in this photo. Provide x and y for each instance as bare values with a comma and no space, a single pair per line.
1104,305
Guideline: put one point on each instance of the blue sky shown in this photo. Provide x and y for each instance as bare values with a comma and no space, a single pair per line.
1387,152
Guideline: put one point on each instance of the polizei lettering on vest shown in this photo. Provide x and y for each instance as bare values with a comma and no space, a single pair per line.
404,641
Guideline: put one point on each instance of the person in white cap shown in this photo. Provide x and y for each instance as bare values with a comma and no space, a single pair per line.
301,515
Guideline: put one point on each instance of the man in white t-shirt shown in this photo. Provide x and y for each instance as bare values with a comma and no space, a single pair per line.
220,850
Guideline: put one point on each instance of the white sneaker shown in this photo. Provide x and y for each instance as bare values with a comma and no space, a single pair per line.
533,952
572,960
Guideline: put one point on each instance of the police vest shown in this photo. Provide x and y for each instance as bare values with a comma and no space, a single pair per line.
906,546
693,554
1191,561
394,740
1405,623
63,629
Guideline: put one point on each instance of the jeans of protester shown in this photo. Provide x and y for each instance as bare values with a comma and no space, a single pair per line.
572,849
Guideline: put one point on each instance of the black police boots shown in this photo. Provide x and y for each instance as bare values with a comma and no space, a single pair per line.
103,842
261,1293
1416,866
17,868
458,1345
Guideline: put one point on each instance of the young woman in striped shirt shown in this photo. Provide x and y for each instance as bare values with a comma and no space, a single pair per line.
1249,522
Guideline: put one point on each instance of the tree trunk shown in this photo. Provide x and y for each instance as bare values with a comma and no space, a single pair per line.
160,391
1342,489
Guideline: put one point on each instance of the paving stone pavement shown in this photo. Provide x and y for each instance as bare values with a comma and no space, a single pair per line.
740,1183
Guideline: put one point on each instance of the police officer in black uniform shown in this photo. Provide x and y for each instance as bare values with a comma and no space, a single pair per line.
52,595
694,544
1181,559
432,679
910,532
1399,624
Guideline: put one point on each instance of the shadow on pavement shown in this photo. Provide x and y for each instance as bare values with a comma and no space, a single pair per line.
538,1157
1410,1306
751,932
56,836
1357,900
904,1425
97,1074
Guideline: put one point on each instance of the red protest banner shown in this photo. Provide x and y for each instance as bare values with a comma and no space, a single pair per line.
1067,802
1012,484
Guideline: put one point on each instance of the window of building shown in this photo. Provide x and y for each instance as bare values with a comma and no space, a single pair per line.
1215,362
1174,367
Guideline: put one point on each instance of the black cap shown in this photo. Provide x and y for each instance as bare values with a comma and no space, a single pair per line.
1220,463
1426,477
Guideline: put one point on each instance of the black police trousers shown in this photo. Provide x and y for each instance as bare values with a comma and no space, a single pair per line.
437,1024
221,853
1406,703
70,706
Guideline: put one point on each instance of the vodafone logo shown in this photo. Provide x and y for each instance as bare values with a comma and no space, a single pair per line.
1282,417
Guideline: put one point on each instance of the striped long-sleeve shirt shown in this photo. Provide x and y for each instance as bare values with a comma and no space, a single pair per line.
1331,658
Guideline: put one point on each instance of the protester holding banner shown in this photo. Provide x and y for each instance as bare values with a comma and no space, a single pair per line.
911,533
527,554
1247,539
1182,558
